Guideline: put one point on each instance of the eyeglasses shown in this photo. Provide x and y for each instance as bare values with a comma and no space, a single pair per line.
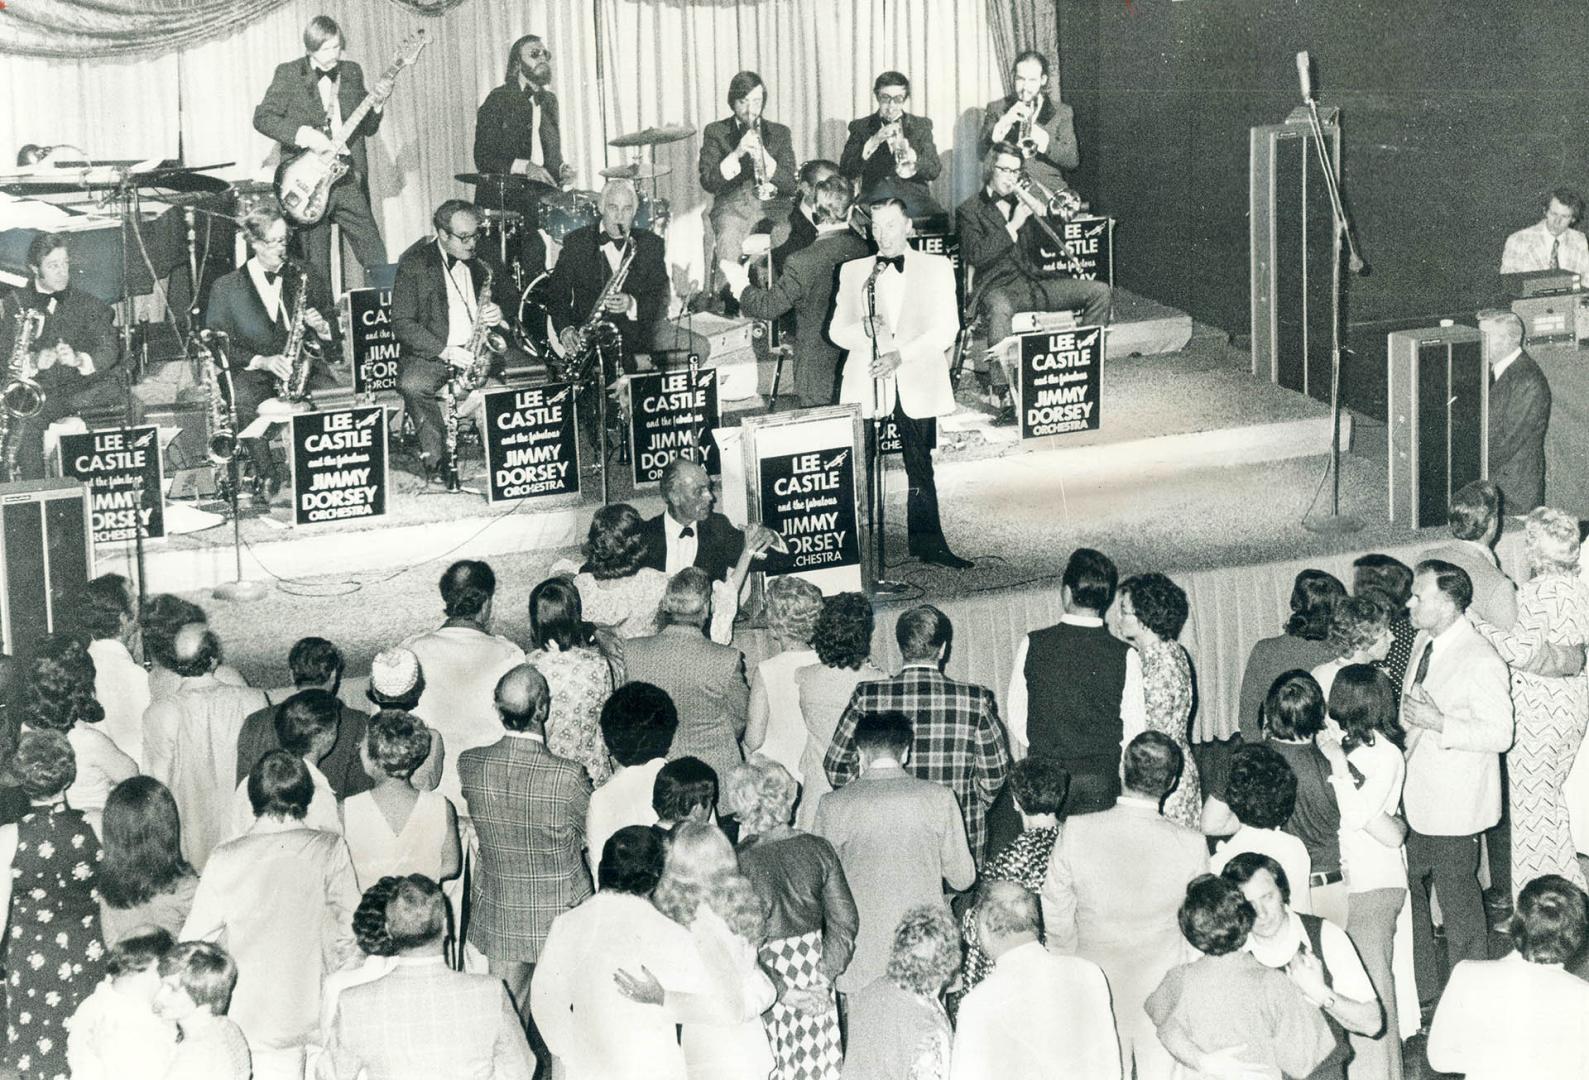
463,238
1007,169
894,99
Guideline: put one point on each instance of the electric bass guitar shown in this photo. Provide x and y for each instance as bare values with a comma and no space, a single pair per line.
304,178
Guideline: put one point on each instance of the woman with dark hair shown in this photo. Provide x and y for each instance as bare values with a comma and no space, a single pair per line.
1522,1015
842,641
143,878
577,674
58,695
106,621
1302,645
1359,634
1262,794
1226,1007
164,615
396,828
898,1029
1389,580
375,942
1153,610
1293,714
54,950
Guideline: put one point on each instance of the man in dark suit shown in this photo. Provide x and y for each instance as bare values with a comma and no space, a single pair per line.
959,741
1519,413
992,225
435,305
747,165
689,532
518,132
303,108
802,218
807,286
528,809
890,153
1033,119
253,307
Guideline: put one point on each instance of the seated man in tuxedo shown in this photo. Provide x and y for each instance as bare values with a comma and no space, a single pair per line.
1550,243
74,353
1519,413
437,299
992,223
689,532
253,306
890,153
803,218
747,165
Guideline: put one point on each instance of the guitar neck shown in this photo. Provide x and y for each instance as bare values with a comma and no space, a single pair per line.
351,123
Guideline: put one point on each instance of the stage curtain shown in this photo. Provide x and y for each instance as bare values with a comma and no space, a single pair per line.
1023,24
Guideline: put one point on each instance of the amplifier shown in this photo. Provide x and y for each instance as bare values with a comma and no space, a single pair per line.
1438,405
46,556
1540,282
1562,317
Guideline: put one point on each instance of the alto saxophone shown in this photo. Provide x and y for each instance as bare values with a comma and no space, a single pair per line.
22,397
301,350
597,329
484,346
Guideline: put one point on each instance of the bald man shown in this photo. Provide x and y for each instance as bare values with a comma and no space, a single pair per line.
528,808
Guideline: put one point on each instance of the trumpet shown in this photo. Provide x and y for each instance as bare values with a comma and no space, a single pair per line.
898,145
758,165
1063,204
1023,128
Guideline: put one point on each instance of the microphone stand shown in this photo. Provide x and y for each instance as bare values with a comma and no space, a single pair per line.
880,583
1333,522
237,589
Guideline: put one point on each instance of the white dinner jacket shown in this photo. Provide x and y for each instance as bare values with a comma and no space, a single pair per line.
929,319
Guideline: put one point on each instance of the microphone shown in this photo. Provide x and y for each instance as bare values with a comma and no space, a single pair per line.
1305,75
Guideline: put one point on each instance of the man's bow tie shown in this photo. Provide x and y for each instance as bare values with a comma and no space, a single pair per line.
452,261
686,532
896,261
272,276
612,241
321,73
1008,200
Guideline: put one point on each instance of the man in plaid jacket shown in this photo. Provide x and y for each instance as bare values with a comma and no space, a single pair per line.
959,741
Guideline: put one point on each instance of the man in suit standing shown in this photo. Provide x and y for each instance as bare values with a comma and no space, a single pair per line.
253,307
690,533
900,840
1033,118
1115,883
436,302
1519,413
303,109
747,165
807,286
898,359
1456,706
423,1019
890,153
958,740
528,808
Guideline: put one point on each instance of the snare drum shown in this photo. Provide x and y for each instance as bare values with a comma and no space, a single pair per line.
652,214
564,211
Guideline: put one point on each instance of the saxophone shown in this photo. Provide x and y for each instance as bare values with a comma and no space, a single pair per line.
597,330
485,345
220,415
22,397
301,350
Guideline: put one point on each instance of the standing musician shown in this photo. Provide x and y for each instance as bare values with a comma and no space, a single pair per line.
254,305
1037,122
517,131
991,225
915,326
891,153
747,163
435,306
303,108
74,357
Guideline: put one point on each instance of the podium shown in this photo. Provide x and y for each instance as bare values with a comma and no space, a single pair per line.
1438,408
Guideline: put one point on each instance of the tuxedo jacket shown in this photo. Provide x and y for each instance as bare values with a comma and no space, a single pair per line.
237,310
807,286
502,134
582,271
802,231
1519,414
419,298
880,166
718,544
718,141
929,321
292,101
1058,120
81,320
986,247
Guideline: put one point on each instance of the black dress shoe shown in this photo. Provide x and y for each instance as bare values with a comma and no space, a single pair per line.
944,557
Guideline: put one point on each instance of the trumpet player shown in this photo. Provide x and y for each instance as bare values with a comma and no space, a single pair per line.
991,224
890,153
747,164
1035,120
253,307
72,363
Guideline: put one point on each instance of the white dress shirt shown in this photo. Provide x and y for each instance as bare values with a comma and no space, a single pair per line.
623,800
681,549
269,291
462,303
1133,708
1509,1018
121,686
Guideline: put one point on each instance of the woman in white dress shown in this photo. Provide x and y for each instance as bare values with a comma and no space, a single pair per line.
775,727
395,829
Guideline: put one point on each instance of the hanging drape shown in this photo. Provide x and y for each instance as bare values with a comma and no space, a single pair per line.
1020,25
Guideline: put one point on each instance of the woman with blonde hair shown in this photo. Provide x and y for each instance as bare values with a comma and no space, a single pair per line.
811,918
776,727
1553,608
703,891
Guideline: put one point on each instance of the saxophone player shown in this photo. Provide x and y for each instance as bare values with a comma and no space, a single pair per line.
1035,120
253,306
436,302
890,154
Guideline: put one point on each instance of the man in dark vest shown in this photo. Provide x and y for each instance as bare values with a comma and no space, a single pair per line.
1076,688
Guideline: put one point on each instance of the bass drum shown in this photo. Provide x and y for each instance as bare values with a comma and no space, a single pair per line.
534,330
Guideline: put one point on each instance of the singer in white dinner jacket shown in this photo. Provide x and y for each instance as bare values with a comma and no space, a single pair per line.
921,311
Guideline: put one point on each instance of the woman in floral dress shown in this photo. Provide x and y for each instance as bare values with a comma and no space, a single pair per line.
55,954
1152,611
577,675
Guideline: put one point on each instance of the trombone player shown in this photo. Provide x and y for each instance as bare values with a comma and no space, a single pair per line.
1036,121
890,153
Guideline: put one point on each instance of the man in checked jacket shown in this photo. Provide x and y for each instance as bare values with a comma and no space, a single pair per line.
959,740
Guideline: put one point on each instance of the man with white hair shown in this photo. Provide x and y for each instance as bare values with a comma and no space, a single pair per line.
1519,413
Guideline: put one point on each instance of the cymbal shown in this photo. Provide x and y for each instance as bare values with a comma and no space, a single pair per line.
635,171
654,136
498,179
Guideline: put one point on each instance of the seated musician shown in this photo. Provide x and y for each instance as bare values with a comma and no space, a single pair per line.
74,358
890,153
254,306
436,304
747,164
803,218
1550,243
992,242
1035,120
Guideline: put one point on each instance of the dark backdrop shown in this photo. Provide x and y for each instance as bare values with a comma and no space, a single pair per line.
1457,118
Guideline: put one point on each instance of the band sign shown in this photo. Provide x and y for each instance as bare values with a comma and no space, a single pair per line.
339,465
808,498
1088,252
126,488
531,445
1060,379
371,346
669,418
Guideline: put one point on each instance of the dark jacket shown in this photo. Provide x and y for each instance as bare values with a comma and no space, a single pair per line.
236,309
582,271
718,141
880,166
419,298
801,232
502,129
81,320
1519,414
717,548
292,101
1056,118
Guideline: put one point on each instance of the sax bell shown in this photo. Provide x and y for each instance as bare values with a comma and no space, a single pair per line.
23,398
221,447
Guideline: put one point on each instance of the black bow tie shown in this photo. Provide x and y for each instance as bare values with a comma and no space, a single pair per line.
612,241
1008,200
452,261
272,276
896,261
323,74
687,532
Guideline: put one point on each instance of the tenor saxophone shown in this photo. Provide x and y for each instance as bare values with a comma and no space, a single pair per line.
22,396
597,329
301,350
484,346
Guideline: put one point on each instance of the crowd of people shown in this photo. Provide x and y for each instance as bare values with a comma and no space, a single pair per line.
618,849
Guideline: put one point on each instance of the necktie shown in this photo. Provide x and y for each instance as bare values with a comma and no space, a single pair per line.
896,261
1555,254
687,532
330,76
1423,663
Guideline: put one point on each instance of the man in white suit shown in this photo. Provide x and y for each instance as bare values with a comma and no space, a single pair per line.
898,358
1457,708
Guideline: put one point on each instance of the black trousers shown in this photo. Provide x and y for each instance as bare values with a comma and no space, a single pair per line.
419,382
916,437
350,209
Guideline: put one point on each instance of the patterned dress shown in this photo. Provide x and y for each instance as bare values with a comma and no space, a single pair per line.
55,955
580,681
1550,715
1024,861
1167,693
